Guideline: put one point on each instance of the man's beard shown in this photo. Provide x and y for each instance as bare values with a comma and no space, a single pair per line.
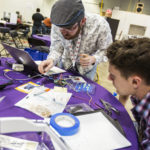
73,36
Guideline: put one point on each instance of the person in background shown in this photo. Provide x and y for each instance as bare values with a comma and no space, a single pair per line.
108,13
78,39
129,70
37,22
19,17
47,25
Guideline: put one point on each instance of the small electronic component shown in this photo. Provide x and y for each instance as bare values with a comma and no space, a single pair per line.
60,82
76,108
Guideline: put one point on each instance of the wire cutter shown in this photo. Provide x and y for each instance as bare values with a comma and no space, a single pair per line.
109,107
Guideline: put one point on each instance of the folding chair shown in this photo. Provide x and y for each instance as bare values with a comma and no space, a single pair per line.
16,39
11,26
4,33
37,44
3,52
2,25
23,30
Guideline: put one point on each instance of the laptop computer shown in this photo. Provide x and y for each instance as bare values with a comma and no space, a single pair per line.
21,57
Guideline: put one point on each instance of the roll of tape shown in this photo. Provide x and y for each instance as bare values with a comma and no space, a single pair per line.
65,124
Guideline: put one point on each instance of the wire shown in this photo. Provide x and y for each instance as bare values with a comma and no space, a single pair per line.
90,98
129,5
82,98
79,97
5,74
97,105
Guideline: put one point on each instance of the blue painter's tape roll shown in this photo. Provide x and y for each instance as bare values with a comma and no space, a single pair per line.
65,124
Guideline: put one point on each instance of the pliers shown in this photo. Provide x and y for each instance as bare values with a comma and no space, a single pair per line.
108,107
2,86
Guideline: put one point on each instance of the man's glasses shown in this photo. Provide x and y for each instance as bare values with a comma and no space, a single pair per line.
69,29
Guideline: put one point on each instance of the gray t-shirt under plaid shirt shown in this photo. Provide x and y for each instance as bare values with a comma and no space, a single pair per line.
96,37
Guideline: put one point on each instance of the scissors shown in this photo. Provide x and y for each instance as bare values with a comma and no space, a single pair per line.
109,107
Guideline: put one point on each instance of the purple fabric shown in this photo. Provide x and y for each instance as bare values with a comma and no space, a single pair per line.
45,38
7,107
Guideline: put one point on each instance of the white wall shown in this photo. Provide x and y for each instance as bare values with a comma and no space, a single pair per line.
28,7
46,7
127,18
91,6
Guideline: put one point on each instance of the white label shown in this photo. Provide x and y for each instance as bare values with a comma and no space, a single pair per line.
16,143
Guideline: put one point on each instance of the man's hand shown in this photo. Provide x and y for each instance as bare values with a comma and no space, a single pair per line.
45,65
86,60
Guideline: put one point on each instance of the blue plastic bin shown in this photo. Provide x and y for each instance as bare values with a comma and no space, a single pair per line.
36,54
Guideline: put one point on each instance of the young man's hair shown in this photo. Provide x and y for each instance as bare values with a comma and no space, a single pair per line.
38,10
131,57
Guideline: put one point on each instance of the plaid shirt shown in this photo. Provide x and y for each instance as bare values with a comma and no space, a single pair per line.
141,112
95,38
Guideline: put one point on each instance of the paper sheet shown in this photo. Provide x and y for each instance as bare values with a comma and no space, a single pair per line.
53,70
27,87
96,133
45,104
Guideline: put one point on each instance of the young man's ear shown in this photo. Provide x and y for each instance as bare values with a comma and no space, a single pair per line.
82,21
136,81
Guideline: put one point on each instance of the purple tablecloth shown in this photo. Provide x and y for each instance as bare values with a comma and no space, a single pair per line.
45,38
7,107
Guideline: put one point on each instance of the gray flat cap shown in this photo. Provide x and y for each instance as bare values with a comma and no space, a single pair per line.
67,12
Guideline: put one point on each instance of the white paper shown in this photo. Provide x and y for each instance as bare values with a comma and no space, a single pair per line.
96,133
16,143
53,70
78,79
45,104
27,87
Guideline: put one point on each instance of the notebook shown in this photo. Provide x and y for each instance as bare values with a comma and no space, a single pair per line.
22,57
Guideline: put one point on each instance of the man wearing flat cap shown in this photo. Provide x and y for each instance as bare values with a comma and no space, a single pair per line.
78,40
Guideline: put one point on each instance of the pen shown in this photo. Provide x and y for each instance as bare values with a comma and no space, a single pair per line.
46,90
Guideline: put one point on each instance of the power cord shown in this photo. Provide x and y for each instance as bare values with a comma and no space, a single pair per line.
6,75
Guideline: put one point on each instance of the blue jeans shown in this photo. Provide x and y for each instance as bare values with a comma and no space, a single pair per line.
90,75
36,30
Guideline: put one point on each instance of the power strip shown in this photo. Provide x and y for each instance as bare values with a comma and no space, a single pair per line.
18,67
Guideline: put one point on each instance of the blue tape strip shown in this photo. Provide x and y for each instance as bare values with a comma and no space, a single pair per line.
65,131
